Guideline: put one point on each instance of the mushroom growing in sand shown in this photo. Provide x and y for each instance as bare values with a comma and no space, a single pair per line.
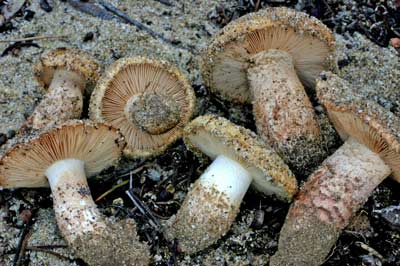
239,159
264,58
149,101
345,180
65,73
62,158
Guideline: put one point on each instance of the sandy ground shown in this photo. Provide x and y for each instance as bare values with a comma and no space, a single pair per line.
373,70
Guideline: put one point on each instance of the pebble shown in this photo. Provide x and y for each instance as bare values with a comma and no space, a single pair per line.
3,138
11,134
368,260
390,215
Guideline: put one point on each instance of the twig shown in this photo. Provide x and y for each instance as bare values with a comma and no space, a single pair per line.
370,250
113,9
49,246
123,183
50,37
257,5
142,207
19,254
165,2
49,252
91,9
126,171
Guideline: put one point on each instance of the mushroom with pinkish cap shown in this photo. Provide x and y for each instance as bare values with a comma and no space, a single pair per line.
65,73
62,157
345,180
149,101
264,58
240,158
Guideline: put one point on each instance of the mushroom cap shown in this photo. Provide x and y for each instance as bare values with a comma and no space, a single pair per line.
130,77
215,136
227,58
24,164
65,58
364,120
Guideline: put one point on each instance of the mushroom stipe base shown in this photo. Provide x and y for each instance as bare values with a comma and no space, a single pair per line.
211,206
118,245
327,202
204,217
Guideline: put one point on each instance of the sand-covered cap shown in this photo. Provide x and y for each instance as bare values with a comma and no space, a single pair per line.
364,120
149,101
24,164
215,136
69,59
306,39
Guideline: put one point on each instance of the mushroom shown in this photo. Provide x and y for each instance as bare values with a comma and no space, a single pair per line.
264,58
65,73
239,158
345,180
61,158
149,101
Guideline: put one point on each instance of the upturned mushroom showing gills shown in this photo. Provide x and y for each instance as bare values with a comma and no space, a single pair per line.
344,181
239,159
65,73
62,158
265,58
149,101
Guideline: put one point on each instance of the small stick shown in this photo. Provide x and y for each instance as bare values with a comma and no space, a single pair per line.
19,254
123,183
370,250
165,2
113,9
142,207
49,252
48,246
51,37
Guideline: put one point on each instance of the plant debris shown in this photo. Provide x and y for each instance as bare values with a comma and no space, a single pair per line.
15,48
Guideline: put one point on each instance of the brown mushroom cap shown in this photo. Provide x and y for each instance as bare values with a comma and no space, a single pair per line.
24,164
215,136
128,78
306,39
69,59
366,121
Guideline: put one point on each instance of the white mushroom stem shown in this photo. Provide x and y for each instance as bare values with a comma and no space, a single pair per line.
327,202
228,177
282,109
63,101
75,210
211,205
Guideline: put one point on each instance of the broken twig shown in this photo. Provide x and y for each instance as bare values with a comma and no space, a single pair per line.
91,9
141,26
132,21
165,2
153,221
50,37
58,255
21,247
